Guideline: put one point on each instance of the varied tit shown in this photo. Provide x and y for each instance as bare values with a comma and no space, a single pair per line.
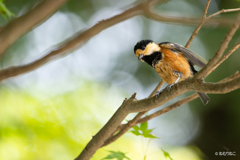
172,62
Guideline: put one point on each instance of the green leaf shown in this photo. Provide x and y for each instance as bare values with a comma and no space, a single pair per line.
150,136
136,128
166,154
116,155
6,13
143,126
143,131
147,131
135,133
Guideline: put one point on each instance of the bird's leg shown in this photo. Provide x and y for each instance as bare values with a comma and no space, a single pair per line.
158,93
179,76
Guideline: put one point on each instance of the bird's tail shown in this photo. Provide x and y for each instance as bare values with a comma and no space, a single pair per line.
204,97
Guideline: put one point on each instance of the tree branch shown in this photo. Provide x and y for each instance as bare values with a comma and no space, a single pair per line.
205,19
236,46
208,68
117,118
125,127
12,32
189,84
19,26
75,42
181,102
107,130
169,108
226,85
192,21
223,11
195,32
236,75
223,22
130,105
137,119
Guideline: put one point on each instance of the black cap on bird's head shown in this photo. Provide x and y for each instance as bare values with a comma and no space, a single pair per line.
142,44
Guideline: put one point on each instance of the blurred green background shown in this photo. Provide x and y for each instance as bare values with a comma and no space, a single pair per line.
52,112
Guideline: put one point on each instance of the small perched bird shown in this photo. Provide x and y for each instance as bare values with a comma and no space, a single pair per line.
172,62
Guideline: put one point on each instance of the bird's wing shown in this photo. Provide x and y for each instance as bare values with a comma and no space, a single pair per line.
190,55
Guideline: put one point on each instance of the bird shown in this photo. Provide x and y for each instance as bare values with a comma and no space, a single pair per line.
172,62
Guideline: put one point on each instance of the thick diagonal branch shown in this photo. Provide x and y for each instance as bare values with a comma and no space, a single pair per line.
107,130
19,26
124,128
70,45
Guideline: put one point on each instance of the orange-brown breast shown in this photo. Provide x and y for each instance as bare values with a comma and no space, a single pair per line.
171,62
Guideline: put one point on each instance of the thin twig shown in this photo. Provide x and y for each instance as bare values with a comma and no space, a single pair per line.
236,46
169,108
205,19
222,22
234,76
206,70
223,11
195,32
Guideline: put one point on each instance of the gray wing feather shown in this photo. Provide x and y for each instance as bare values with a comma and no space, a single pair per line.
190,55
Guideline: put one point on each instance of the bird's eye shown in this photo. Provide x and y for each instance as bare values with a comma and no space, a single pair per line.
143,47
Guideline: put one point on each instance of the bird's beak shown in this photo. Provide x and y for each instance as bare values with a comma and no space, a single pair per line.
140,57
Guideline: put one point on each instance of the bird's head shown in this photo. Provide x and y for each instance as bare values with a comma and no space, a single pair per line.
145,48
